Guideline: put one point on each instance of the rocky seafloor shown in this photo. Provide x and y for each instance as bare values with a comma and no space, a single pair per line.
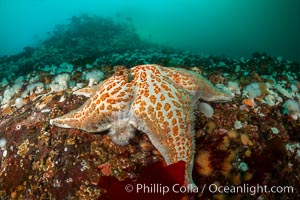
254,139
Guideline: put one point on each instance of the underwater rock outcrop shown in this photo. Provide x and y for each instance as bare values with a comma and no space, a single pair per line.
80,41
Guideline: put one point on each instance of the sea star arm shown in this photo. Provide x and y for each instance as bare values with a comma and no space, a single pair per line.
101,110
164,112
197,85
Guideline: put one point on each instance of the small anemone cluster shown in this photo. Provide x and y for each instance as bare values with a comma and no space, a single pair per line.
48,80
292,108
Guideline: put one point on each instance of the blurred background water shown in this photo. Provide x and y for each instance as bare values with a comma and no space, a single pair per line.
223,27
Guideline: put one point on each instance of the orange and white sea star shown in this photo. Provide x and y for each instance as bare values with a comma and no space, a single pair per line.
156,100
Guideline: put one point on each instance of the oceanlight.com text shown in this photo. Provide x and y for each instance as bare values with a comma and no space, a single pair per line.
249,189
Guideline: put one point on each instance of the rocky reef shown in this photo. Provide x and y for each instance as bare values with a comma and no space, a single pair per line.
253,139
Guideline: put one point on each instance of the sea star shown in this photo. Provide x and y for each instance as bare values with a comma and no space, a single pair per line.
156,100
